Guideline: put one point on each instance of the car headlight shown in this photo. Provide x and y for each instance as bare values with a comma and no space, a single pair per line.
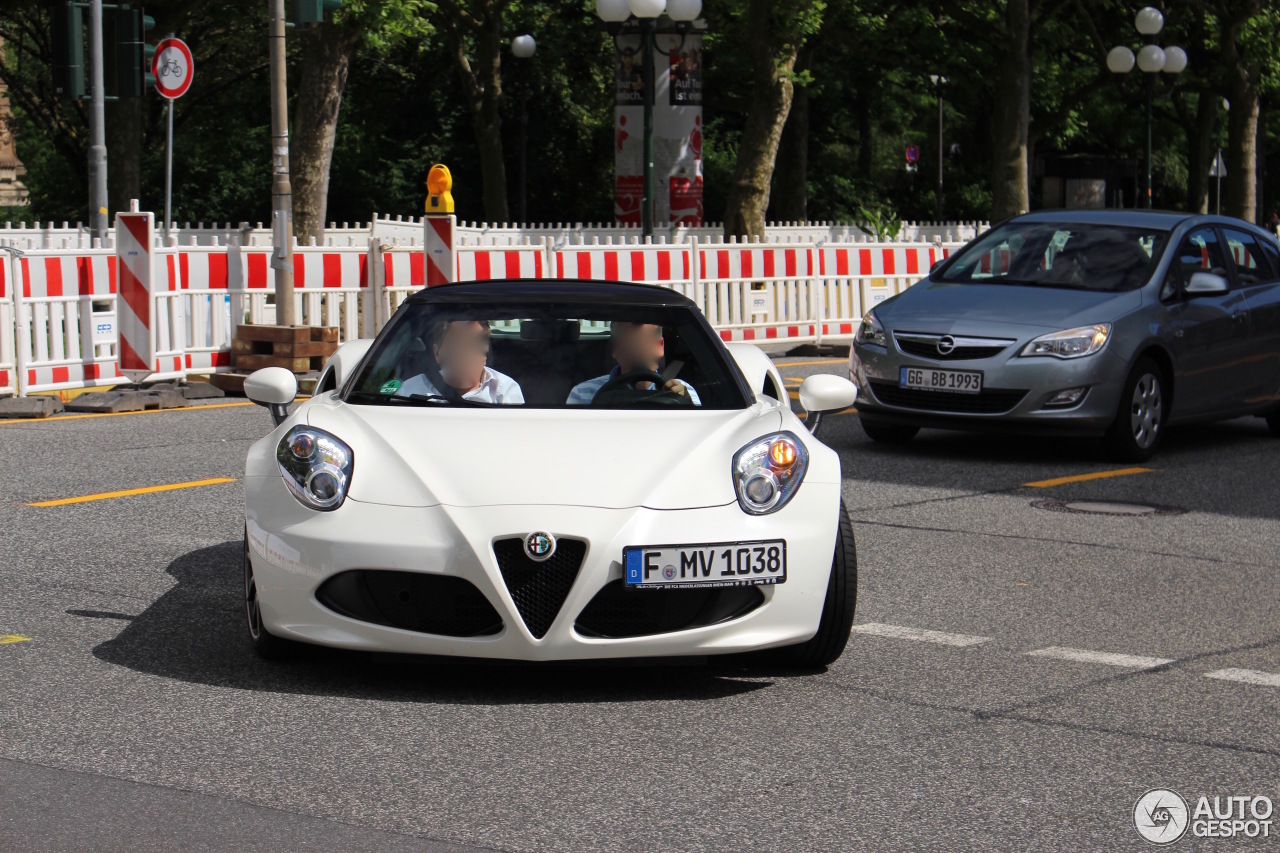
871,332
316,467
767,472
1071,343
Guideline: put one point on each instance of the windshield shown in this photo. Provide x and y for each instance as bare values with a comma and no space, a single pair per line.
548,356
1060,254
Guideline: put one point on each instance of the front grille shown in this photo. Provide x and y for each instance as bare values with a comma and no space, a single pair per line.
429,604
617,612
989,402
926,349
539,589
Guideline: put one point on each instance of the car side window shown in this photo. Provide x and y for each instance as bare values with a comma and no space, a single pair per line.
1252,266
1199,251
1272,253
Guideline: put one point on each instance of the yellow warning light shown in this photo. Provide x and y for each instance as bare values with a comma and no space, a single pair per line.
439,183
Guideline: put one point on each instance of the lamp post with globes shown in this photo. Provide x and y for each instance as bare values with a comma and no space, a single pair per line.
1151,60
615,13
523,47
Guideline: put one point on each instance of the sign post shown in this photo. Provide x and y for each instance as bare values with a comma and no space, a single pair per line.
173,69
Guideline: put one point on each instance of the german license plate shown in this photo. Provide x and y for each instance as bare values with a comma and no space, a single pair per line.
708,565
929,379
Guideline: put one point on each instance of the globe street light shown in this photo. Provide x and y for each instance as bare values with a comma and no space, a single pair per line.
1151,59
647,12
523,47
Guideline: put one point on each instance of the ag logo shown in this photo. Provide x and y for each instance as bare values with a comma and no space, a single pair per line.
1161,816
539,546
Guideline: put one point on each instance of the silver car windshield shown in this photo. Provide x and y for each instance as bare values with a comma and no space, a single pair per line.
1081,256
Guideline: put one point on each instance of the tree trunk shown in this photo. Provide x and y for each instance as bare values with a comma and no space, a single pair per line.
1010,169
321,78
1200,148
776,36
124,160
791,173
482,87
1240,186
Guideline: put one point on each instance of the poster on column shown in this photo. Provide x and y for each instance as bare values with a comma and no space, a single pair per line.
677,129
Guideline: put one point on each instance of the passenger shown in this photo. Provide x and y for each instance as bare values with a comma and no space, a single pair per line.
634,346
460,349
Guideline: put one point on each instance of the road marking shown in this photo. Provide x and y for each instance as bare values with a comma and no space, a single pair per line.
1108,658
9,639
782,364
1080,478
901,632
1246,676
102,496
121,414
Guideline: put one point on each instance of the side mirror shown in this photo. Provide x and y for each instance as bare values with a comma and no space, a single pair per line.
273,387
1206,283
823,393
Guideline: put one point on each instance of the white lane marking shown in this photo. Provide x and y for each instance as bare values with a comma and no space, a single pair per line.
1246,676
901,632
1108,658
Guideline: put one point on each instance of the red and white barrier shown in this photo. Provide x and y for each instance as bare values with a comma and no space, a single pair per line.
59,310
8,346
440,239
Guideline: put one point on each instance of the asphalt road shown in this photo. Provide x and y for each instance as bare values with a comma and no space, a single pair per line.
1018,678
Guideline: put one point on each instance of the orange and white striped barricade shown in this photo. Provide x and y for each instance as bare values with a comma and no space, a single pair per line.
65,320
150,313
439,242
666,265
396,273
250,282
200,277
488,263
331,287
857,277
8,328
766,293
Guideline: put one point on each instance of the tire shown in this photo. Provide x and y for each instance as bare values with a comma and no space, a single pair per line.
1273,422
837,609
265,644
1139,425
882,433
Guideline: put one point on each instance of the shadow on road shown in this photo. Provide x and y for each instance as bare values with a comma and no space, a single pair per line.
196,633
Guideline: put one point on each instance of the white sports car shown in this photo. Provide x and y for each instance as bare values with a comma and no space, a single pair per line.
548,471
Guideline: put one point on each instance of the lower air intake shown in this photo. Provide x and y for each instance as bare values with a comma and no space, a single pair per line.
539,589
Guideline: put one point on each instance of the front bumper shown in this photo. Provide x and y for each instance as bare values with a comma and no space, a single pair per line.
294,551
1015,392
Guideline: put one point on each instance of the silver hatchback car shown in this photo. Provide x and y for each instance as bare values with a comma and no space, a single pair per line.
1111,323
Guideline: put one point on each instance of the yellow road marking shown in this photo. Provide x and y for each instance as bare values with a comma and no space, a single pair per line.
9,639
120,414
781,364
102,496
852,410
1080,478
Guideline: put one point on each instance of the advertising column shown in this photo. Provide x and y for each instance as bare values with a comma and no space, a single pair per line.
677,128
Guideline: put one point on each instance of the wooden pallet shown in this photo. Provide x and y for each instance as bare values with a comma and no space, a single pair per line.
300,349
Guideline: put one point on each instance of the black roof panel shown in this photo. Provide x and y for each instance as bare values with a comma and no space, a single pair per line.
504,291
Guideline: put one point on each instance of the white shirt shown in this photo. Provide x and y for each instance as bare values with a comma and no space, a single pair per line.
494,387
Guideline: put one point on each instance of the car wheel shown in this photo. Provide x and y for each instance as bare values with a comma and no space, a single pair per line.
883,433
837,609
265,644
1139,424
1273,421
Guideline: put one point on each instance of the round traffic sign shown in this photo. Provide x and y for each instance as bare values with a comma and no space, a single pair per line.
913,153
173,68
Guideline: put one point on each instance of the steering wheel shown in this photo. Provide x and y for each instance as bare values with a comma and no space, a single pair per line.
626,381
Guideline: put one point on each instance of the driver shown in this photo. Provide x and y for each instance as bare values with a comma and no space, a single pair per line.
461,351
634,346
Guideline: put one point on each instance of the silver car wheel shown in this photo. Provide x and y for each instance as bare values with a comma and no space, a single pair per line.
252,610
1146,411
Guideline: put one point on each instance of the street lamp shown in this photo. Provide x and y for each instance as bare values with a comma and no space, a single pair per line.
1151,60
614,13
939,81
523,47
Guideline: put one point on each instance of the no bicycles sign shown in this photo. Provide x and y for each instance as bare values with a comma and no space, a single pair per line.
173,68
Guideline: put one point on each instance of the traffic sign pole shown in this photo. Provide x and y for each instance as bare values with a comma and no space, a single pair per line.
173,68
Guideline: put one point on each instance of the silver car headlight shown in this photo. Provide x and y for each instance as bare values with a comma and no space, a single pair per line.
316,466
871,332
767,472
1070,343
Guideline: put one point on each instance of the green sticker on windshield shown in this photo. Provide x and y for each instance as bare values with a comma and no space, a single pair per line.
391,386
